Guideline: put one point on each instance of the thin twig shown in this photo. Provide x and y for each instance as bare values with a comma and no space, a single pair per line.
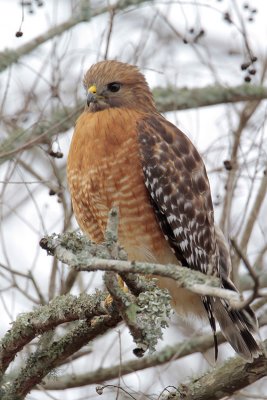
254,213
253,275
112,12
37,289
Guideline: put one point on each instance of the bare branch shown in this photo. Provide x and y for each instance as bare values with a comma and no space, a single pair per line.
254,213
9,57
247,283
169,353
167,99
246,114
233,375
40,133
253,275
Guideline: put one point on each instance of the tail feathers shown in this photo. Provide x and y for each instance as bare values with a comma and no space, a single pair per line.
208,306
238,327
249,315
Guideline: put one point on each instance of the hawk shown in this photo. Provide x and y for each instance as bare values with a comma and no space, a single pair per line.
124,153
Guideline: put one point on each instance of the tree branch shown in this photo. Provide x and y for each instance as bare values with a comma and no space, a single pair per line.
253,274
60,310
222,381
9,57
247,283
44,360
84,256
170,99
41,132
167,99
254,213
169,353
145,316
230,185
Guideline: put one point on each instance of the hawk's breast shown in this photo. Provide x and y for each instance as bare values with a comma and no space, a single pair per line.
104,170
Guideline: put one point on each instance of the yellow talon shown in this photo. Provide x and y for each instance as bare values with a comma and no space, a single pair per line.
122,284
109,299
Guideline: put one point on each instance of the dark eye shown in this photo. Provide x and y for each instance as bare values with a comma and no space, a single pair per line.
114,87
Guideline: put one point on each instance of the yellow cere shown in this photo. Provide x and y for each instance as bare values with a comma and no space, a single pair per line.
92,89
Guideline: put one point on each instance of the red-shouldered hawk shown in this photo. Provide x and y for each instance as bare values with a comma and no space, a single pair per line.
125,154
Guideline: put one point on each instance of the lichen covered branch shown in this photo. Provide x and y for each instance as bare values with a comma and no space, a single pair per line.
60,310
40,363
92,257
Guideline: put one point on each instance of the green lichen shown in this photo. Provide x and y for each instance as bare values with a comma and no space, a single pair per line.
152,315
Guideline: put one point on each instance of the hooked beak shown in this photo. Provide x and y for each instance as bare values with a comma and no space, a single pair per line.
92,95
91,98
95,101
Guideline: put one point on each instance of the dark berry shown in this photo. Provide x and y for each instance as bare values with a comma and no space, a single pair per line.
245,66
228,165
252,71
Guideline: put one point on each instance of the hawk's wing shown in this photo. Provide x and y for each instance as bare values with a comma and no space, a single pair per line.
177,182
178,186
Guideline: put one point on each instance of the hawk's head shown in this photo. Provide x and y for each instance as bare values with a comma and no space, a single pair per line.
116,84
